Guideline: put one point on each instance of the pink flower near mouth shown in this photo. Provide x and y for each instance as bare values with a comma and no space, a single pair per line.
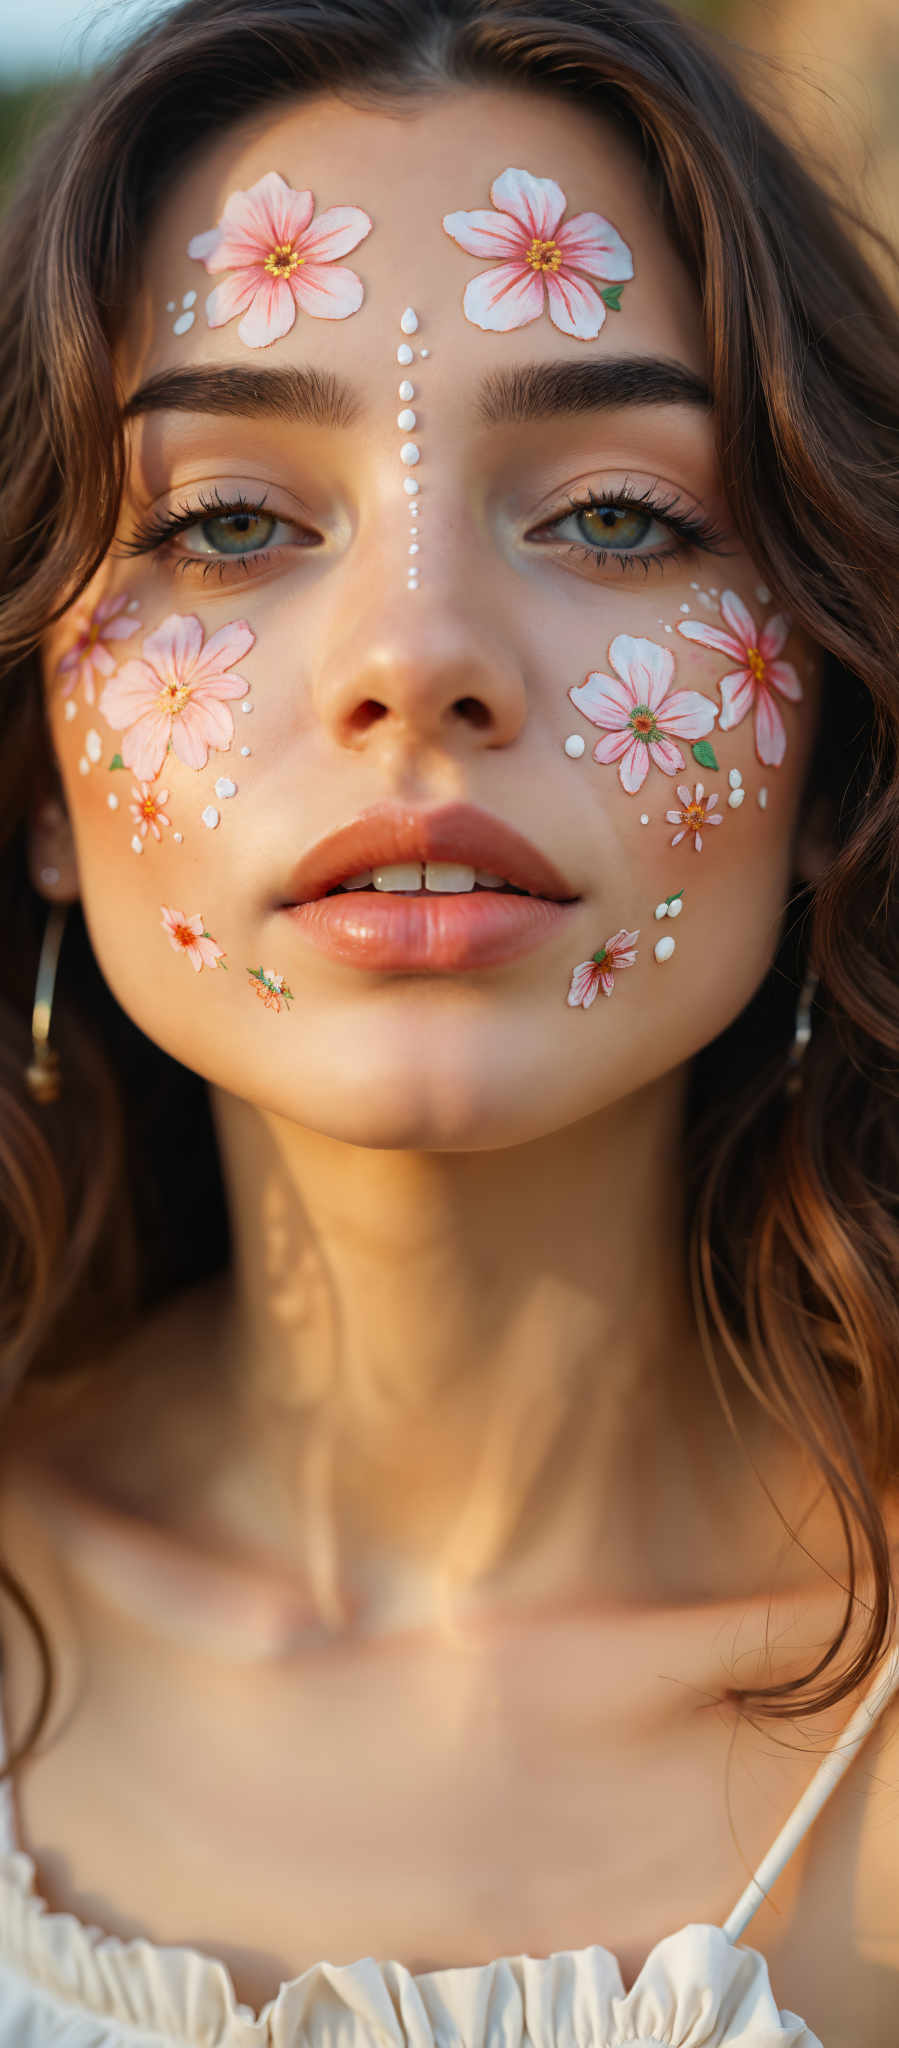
641,715
697,811
599,972
175,692
188,935
89,656
280,258
758,675
539,258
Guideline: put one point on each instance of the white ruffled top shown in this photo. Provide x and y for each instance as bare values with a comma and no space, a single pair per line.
67,1985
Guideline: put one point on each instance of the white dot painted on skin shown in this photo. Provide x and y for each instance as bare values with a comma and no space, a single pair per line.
644,817
177,836
113,800
410,454
137,845
669,629
225,787
170,305
93,746
184,323
246,708
84,766
694,586
245,752
133,605
50,875
71,708
210,817
189,299
424,351
404,353
713,589
574,746
734,778
413,547
736,798
763,593
685,607
410,484
664,948
406,390
763,799
409,321
406,419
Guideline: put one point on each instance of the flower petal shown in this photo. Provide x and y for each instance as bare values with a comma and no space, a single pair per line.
770,731
697,841
271,315
574,306
509,296
538,203
189,737
334,233
173,648
328,292
144,745
201,246
584,984
221,650
644,666
673,817
773,635
131,692
210,718
634,767
737,694
589,242
268,212
101,659
119,629
232,296
678,837
712,636
666,756
495,235
684,793
740,621
783,675
604,701
687,714
612,746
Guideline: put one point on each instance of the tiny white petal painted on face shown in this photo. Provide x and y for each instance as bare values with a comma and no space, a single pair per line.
137,845
410,484
574,746
675,906
406,390
246,708
409,321
93,746
84,766
210,817
184,323
734,778
763,593
644,817
112,801
189,299
177,836
736,798
404,353
406,419
225,787
661,910
664,948
245,752
685,607
410,454
763,799
71,708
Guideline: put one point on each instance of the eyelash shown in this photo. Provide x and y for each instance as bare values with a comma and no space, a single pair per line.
691,529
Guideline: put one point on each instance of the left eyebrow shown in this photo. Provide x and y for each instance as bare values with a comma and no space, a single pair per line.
538,391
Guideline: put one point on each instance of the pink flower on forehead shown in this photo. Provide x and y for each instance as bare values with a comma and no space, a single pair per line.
599,972
757,676
280,258
89,656
539,258
641,714
176,693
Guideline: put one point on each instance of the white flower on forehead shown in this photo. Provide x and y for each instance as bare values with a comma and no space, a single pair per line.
280,258
539,259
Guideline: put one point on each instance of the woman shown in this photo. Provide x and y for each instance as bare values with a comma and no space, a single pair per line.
447,454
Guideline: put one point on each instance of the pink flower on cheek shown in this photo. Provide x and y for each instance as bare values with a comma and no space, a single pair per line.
280,258
599,972
539,259
188,935
89,656
756,678
175,693
640,712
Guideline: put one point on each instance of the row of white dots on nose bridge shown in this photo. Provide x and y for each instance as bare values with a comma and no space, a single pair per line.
410,453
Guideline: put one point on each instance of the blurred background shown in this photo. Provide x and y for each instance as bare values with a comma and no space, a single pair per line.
826,70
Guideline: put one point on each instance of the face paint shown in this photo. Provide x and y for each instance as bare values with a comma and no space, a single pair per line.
574,746
539,259
89,656
410,452
187,316
751,685
672,905
590,976
737,792
188,935
175,694
695,813
147,809
270,987
643,719
280,258
663,948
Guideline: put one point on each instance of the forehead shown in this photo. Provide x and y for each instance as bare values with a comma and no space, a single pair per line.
407,168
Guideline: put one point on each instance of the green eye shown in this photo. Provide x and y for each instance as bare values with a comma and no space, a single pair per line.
622,526
238,533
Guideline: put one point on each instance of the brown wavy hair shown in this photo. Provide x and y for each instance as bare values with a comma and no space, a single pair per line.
793,1213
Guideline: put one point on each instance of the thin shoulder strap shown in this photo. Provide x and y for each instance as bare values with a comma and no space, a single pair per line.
826,1777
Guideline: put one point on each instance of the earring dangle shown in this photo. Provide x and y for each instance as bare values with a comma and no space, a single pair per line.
42,1076
802,1032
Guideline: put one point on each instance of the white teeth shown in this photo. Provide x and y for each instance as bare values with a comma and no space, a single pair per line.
440,876
362,881
487,880
449,876
401,875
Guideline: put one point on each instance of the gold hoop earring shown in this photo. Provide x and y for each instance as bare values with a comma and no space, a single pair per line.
42,1076
802,1032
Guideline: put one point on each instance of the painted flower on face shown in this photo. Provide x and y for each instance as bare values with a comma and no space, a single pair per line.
280,258
599,973
89,656
539,259
697,811
641,715
270,987
758,675
189,935
175,693
147,810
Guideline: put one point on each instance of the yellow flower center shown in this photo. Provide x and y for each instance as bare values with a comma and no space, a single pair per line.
172,698
757,663
694,816
282,260
149,808
543,255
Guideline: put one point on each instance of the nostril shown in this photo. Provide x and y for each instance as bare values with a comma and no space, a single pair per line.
365,715
472,709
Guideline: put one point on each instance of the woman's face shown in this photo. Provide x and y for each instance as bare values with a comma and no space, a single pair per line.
319,637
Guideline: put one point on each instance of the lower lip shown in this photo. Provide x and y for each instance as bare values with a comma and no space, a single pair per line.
426,933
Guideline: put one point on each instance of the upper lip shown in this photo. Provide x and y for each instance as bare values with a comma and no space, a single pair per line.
389,833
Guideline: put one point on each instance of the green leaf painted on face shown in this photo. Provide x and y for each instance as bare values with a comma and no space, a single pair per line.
611,297
704,753
117,761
